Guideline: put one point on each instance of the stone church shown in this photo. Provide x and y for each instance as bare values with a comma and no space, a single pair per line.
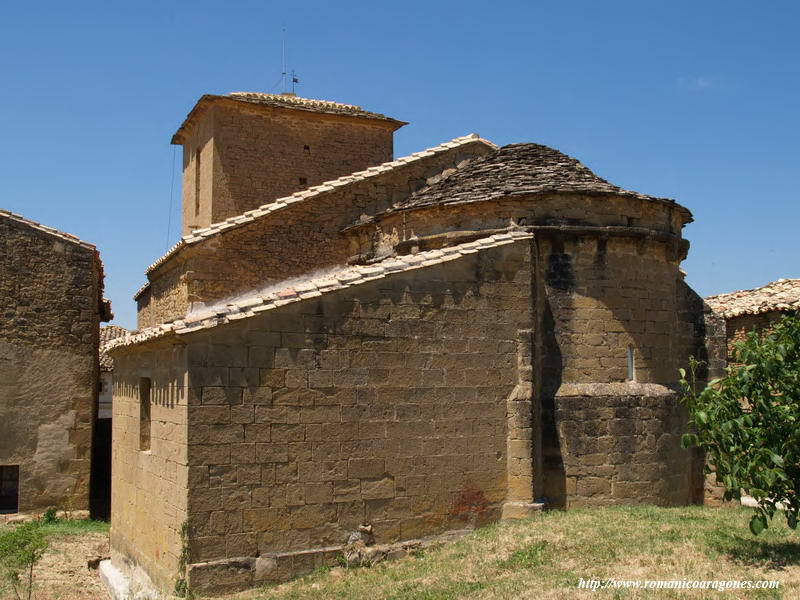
342,338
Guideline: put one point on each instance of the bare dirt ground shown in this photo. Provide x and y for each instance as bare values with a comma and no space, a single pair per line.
62,573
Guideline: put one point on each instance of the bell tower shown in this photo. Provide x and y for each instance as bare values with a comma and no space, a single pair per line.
245,149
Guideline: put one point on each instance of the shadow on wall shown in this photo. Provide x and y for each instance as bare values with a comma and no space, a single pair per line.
609,445
553,462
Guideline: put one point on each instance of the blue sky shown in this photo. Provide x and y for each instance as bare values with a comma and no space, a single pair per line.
696,101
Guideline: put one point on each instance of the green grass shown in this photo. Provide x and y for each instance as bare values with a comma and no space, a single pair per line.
69,527
72,527
544,558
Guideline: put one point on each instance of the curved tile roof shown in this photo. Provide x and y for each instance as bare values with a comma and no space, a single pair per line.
250,305
67,237
517,169
108,333
783,294
274,206
283,101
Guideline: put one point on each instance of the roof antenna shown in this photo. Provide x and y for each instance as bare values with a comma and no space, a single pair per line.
285,72
283,61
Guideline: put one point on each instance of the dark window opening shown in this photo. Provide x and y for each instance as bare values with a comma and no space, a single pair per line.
144,413
307,148
303,181
197,182
9,488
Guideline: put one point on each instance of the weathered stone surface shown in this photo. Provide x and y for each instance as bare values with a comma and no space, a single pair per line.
221,576
303,237
420,369
515,169
51,287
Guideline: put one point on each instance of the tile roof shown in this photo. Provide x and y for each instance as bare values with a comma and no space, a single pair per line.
199,235
250,305
108,333
68,237
516,169
283,101
783,294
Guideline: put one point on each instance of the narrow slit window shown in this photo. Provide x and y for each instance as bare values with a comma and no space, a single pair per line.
197,182
303,181
9,488
631,364
144,413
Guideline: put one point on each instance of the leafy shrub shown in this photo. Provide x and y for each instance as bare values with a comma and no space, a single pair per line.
49,516
748,422
21,547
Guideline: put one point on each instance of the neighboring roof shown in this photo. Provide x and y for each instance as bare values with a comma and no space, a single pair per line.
289,101
783,294
277,205
67,237
108,333
517,169
250,305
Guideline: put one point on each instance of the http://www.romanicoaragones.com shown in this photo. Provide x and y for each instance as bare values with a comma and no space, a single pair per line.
718,585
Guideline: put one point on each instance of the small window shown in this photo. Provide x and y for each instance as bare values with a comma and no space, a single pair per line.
197,182
9,488
303,181
307,148
144,413
631,364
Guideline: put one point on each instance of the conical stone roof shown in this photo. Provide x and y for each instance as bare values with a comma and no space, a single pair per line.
516,169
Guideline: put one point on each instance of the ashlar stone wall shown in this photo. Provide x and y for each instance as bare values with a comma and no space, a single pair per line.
249,154
148,496
384,403
611,418
50,291
301,239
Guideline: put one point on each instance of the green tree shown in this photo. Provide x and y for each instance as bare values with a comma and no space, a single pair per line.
21,547
748,422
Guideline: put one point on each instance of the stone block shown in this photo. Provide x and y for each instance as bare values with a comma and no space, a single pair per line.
209,414
521,510
273,378
318,493
311,515
205,454
372,489
593,486
221,577
287,433
359,468
222,395
347,490
315,471
248,474
264,519
243,453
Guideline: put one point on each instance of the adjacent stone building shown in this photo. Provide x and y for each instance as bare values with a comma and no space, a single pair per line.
448,338
105,400
51,286
756,309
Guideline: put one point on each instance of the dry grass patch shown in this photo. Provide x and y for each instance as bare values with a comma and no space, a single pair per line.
544,558
62,573
540,559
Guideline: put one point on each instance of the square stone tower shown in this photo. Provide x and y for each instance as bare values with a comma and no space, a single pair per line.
244,150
